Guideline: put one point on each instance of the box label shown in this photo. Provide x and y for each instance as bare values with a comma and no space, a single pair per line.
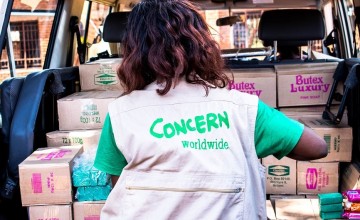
105,79
245,87
106,75
303,89
309,84
50,182
36,183
311,178
279,170
72,140
90,114
53,155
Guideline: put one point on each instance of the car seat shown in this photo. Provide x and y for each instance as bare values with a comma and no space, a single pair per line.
114,27
291,27
34,114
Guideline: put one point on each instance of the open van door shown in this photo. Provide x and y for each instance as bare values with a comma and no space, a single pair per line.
348,14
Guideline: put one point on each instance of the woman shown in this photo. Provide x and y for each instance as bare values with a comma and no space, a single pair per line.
178,144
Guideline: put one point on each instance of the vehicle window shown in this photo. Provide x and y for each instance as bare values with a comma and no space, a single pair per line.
30,26
91,27
350,9
242,34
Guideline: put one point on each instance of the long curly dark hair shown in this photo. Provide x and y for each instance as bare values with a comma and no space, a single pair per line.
166,40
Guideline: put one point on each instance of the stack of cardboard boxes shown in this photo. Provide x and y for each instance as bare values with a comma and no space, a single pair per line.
81,117
301,91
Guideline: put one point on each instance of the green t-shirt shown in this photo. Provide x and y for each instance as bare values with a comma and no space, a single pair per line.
275,134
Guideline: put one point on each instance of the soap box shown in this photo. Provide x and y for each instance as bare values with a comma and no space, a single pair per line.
89,139
87,210
45,176
85,110
304,84
315,178
100,75
280,175
50,212
260,82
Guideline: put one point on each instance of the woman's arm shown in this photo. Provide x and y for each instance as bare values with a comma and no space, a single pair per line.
114,180
310,146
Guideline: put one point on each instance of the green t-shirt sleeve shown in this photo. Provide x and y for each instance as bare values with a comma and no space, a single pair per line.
275,134
108,158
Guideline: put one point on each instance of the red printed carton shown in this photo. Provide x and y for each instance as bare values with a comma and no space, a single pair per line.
315,178
50,212
304,84
260,82
45,176
88,210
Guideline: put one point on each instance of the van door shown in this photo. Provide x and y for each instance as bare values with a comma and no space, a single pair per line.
348,13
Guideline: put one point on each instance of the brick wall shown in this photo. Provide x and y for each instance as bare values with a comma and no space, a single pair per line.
44,27
43,5
45,24
226,39
222,34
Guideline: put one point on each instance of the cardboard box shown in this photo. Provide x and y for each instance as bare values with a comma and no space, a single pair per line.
299,112
295,209
316,207
45,176
280,175
87,138
304,84
309,111
88,210
100,75
50,212
85,110
350,178
270,211
338,138
259,81
315,178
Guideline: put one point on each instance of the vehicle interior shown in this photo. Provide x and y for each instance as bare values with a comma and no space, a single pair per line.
44,42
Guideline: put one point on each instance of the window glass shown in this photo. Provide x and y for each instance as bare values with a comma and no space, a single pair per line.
354,27
243,34
94,41
30,26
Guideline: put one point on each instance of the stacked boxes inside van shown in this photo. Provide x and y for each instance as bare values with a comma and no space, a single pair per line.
300,91
81,118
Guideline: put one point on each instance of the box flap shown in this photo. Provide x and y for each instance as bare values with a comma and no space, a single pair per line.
92,95
318,122
52,155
